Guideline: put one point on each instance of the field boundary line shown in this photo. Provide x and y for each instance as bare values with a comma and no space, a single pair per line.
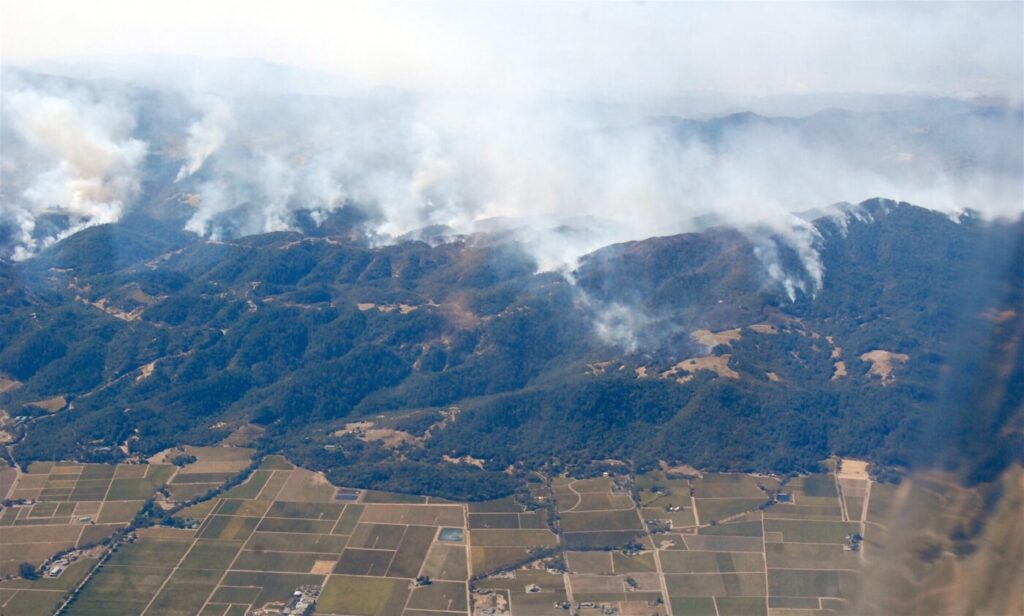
812,520
419,571
864,521
657,559
837,544
633,508
302,552
839,495
73,593
465,544
750,572
170,574
394,552
806,569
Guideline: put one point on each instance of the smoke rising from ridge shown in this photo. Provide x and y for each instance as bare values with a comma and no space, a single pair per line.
78,160
565,177
522,117
206,135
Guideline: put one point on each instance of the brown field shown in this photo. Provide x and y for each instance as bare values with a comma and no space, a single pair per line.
590,562
601,520
426,515
511,538
118,511
377,536
709,509
292,542
408,560
716,585
638,563
485,559
601,539
439,596
723,544
503,505
446,562
306,486
684,561
726,485
597,584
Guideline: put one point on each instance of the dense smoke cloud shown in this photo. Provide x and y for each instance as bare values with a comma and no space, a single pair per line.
492,116
478,164
74,157
564,177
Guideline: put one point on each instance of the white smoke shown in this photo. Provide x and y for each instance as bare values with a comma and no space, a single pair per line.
620,325
800,236
536,165
206,135
75,158
472,164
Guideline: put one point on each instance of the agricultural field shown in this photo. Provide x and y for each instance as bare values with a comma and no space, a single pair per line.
666,543
284,529
43,596
660,543
596,513
56,507
205,468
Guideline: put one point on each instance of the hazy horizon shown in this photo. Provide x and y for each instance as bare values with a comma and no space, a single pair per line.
607,51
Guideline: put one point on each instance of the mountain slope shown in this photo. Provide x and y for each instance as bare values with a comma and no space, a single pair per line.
679,348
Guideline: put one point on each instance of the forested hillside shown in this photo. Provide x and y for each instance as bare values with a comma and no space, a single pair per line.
437,368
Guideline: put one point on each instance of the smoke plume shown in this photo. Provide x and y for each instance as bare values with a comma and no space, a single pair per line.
562,176
206,135
74,156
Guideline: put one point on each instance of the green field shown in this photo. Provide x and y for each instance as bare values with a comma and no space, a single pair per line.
363,596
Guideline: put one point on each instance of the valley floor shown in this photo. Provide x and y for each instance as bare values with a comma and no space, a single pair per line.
284,539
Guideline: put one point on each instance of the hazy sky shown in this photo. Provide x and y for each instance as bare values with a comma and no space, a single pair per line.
621,50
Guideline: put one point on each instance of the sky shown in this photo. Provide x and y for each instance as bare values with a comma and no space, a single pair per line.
609,51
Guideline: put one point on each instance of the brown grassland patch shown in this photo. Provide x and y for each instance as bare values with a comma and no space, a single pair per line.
685,370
